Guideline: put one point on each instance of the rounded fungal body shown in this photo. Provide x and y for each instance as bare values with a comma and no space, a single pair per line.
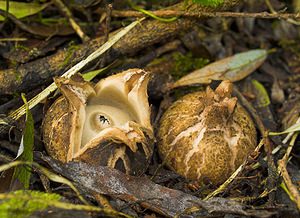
103,124
206,135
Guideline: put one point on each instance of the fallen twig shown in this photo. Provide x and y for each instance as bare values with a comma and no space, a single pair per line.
107,21
73,23
291,20
169,13
292,189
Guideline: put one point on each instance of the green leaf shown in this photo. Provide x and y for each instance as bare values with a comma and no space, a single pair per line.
20,204
21,9
262,97
293,128
92,74
213,3
25,153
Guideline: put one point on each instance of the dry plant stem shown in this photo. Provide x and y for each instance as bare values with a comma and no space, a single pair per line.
284,141
289,136
168,13
102,200
272,172
287,180
12,39
73,23
289,149
233,176
292,189
37,72
107,21
289,19
5,159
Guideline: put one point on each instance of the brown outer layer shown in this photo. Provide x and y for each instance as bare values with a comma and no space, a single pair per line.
214,158
56,135
56,129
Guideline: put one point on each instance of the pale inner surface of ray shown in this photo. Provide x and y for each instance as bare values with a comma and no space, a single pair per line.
112,107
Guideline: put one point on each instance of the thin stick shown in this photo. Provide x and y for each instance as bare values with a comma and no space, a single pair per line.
268,3
12,39
169,13
73,23
291,188
287,180
107,21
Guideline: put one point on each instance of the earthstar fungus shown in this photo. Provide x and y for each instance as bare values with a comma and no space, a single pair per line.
106,124
206,135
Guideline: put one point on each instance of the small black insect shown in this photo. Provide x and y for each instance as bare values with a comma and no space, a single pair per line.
103,119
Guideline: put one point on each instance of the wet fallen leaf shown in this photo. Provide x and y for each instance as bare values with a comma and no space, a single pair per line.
233,68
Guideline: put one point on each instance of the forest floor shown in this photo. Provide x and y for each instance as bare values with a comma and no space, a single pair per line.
40,41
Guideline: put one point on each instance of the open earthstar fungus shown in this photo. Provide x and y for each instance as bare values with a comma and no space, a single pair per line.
106,124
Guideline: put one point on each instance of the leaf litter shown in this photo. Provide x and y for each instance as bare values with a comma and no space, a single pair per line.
248,191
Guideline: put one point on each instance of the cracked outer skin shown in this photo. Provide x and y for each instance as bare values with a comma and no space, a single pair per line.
56,135
56,129
200,138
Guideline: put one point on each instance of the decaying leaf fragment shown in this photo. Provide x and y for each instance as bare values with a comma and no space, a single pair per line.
233,68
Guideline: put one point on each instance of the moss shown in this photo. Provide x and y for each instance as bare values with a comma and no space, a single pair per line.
211,3
18,76
186,63
25,203
291,45
69,54
21,47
